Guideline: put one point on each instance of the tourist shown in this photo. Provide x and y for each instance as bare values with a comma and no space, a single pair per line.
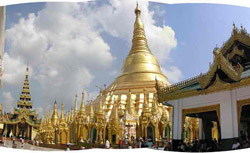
13,142
81,140
34,142
236,145
37,143
129,145
107,145
166,147
4,140
140,143
155,145
68,149
120,143
22,142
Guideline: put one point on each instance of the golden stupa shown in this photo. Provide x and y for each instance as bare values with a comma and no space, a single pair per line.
128,108
140,65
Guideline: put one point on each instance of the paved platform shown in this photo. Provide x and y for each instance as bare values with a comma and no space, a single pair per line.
27,146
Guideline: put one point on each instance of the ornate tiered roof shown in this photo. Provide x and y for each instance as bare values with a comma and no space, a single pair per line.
230,66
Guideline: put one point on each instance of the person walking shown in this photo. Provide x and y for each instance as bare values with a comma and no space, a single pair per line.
120,143
140,143
107,145
22,142
67,149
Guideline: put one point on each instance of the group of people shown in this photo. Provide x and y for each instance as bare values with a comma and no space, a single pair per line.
138,143
199,146
242,142
14,144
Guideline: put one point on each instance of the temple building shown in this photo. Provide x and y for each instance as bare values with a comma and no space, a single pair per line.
24,121
214,105
127,108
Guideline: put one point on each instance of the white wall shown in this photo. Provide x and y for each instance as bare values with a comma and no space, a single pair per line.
228,109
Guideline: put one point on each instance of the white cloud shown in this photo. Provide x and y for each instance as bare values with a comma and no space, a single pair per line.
8,103
62,49
13,69
173,74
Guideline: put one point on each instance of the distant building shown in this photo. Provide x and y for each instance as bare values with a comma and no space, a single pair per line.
23,122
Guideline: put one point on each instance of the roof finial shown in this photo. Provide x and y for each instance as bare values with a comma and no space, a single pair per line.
137,9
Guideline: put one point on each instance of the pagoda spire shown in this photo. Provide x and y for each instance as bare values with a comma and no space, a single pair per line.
82,107
91,115
100,105
54,118
154,109
25,97
114,115
76,103
49,119
139,42
62,119
71,115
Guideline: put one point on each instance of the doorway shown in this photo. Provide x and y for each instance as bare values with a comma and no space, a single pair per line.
150,133
93,135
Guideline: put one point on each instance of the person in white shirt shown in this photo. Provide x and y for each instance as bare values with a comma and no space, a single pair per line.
107,145
236,145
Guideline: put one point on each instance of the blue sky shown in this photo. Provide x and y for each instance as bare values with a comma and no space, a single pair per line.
185,46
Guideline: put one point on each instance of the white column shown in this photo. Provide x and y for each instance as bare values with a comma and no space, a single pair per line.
226,117
177,119
234,113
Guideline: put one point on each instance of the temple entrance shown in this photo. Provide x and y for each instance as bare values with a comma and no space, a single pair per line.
22,130
201,123
93,135
113,138
150,133
245,122
206,123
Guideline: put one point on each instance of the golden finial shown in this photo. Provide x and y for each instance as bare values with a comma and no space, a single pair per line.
62,111
76,102
82,107
137,9
55,114
100,104
138,23
234,27
83,94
